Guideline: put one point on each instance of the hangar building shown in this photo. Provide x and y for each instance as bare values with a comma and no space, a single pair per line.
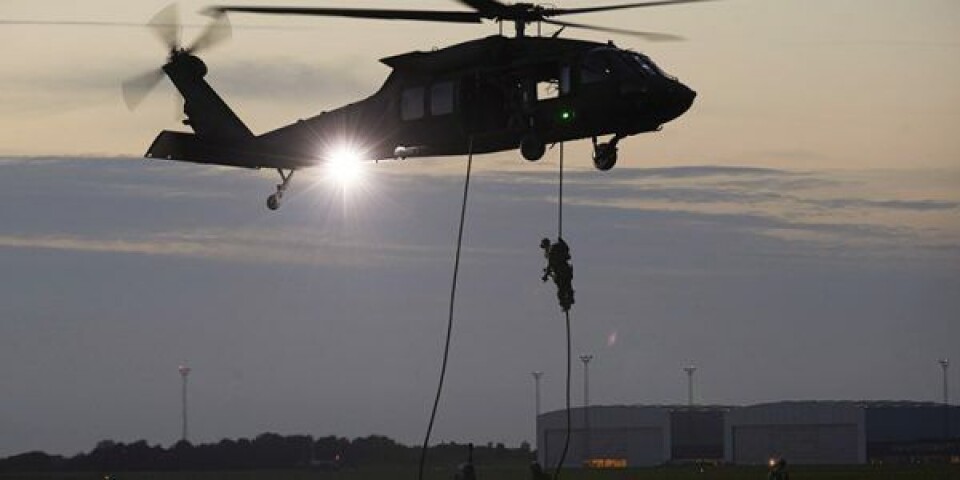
805,432
840,432
616,436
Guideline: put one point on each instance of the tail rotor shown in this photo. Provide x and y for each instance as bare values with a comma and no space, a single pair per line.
168,29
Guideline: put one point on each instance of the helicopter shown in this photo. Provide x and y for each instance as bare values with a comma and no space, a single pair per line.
486,95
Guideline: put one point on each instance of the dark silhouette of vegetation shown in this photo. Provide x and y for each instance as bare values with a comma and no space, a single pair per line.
266,451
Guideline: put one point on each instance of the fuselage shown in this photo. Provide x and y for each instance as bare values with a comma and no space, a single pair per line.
486,95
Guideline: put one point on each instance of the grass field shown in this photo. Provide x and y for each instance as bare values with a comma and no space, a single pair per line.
935,472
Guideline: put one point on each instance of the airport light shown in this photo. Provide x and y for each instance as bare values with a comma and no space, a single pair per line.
690,369
536,389
944,363
184,372
585,358
536,382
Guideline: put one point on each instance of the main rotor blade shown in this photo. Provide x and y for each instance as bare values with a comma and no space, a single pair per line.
651,36
71,23
217,31
166,24
550,12
487,8
421,15
137,88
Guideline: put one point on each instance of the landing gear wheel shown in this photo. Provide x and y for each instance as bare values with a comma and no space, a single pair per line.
273,201
605,156
532,147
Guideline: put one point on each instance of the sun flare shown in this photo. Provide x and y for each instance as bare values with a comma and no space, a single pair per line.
345,166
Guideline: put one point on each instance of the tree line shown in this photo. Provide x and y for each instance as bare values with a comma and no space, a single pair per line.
266,451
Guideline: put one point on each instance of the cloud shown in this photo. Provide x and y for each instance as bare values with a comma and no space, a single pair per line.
284,79
915,205
217,213
243,246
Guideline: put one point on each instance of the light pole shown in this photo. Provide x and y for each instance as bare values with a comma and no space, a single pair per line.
184,372
536,390
536,395
690,369
585,358
944,363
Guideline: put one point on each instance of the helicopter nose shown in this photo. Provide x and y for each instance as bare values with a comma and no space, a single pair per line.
680,99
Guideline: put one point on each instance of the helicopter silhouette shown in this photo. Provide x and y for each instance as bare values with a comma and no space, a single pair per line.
486,95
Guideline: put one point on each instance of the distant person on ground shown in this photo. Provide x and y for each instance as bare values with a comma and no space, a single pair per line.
466,470
536,472
778,471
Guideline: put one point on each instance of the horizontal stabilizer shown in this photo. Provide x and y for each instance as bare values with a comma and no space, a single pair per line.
187,147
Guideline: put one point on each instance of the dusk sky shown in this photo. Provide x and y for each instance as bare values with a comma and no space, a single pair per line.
796,235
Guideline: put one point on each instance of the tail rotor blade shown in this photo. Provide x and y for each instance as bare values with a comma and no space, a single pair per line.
217,31
166,24
137,88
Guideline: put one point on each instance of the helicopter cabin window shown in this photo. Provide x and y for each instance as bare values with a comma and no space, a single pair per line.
441,98
554,84
411,103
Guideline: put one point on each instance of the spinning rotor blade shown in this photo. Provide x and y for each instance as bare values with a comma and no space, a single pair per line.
70,23
166,24
421,15
487,8
137,88
550,12
651,36
216,32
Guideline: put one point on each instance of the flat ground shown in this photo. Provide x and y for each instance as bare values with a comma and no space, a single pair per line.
942,472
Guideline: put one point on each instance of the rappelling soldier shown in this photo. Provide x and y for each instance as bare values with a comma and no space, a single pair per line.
559,268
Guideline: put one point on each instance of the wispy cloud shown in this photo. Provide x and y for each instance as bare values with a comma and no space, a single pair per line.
241,245
822,208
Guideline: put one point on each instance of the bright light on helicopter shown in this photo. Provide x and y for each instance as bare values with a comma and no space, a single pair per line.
345,165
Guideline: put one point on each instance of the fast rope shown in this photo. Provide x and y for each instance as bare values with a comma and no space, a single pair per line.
453,295
566,312
566,439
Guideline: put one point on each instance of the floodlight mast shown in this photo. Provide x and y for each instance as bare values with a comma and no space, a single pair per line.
184,372
536,389
944,363
536,380
585,358
690,369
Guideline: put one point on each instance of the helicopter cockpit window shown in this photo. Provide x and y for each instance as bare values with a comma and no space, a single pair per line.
441,98
602,64
411,103
644,65
596,67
